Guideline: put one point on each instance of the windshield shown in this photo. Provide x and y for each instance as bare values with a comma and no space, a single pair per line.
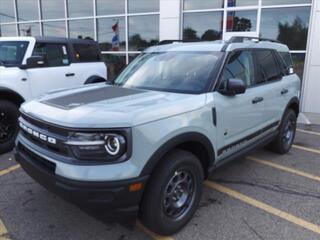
12,53
181,72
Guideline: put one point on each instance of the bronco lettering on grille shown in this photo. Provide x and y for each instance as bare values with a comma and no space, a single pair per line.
38,135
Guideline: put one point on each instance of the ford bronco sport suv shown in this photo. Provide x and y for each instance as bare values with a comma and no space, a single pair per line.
143,146
32,66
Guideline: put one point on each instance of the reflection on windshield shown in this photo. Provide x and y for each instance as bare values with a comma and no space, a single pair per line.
12,53
184,72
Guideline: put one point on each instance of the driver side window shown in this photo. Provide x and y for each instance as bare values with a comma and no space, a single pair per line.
55,55
240,66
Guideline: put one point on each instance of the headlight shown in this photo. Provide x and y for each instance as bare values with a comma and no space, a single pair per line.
98,146
114,144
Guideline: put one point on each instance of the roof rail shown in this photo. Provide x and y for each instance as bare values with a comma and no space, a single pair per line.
240,39
163,42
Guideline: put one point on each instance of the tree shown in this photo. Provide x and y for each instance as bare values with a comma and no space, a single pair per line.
241,24
190,34
139,44
211,35
294,35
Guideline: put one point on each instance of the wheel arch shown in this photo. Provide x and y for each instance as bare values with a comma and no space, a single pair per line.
11,95
294,104
194,142
94,79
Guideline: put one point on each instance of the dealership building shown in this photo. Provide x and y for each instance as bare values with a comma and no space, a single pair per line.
125,27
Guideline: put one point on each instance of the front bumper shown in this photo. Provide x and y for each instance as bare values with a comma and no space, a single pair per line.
108,201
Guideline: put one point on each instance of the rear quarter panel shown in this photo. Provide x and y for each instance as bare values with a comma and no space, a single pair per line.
83,71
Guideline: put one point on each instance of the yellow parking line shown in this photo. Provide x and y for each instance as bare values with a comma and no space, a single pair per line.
306,149
152,234
265,207
309,132
3,230
283,168
8,170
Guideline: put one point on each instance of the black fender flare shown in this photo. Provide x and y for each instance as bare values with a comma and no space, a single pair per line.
11,95
175,142
296,101
94,79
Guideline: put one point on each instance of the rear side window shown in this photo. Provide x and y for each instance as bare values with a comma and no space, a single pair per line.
55,55
241,66
86,53
268,69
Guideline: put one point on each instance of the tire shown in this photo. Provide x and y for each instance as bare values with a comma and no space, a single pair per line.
9,129
156,210
287,130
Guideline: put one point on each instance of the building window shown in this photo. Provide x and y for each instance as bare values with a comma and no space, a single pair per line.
81,29
242,3
143,6
110,7
284,2
203,26
115,62
82,8
143,32
57,28
8,30
242,21
52,9
27,10
29,29
288,25
7,11
203,4
112,34
298,63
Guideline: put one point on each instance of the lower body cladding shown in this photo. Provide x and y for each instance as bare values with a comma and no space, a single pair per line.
108,201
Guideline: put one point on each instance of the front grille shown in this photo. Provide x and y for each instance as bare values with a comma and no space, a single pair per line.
45,126
59,134
36,159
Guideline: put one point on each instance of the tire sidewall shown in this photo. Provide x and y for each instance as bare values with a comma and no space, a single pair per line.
289,115
191,168
13,110
161,223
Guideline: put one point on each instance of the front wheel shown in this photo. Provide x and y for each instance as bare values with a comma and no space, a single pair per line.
9,114
173,193
287,130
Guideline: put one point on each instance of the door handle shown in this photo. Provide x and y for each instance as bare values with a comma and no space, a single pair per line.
257,99
70,74
284,91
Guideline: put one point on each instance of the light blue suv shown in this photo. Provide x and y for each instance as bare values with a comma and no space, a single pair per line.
143,144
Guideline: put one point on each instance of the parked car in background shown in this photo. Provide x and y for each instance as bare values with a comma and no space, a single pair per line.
31,66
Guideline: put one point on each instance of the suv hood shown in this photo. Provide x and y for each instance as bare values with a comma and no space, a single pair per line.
109,106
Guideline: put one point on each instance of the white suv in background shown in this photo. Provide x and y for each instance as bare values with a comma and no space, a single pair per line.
31,66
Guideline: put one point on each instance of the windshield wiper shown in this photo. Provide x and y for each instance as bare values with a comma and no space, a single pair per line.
2,62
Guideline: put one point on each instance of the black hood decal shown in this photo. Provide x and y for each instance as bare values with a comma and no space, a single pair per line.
93,95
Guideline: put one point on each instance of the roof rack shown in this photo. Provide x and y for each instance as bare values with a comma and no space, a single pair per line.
163,42
240,39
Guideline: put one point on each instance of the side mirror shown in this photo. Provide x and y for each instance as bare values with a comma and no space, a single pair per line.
34,62
234,86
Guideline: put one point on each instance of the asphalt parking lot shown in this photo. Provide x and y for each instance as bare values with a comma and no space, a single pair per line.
261,196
